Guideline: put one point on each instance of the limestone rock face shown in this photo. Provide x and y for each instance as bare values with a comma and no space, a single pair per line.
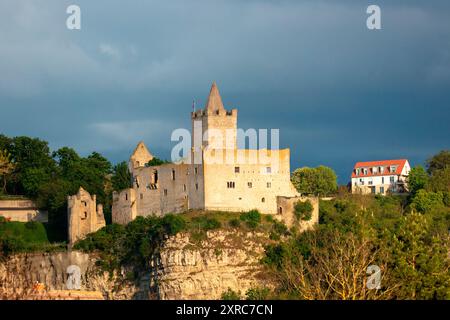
207,269
21,272
183,269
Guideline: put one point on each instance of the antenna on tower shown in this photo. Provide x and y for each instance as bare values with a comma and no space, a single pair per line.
193,105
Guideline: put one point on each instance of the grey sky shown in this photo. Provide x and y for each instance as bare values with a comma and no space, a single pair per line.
338,92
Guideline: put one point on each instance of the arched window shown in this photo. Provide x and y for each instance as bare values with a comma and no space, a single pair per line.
263,199
280,210
155,176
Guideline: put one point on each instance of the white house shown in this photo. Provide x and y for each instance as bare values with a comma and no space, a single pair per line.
380,177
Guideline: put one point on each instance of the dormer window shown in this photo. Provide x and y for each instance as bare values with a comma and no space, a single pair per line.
374,170
365,171
357,172
381,169
393,168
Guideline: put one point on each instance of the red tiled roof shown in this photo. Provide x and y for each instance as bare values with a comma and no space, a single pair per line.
400,163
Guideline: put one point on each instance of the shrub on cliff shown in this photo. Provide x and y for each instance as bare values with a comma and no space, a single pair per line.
133,244
251,218
303,210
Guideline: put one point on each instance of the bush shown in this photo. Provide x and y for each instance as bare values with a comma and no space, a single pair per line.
235,223
258,294
303,210
251,218
205,223
133,244
425,201
230,295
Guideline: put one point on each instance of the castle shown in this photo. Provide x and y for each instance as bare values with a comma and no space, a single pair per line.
216,176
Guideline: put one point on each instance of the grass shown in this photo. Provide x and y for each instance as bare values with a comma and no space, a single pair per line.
196,221
18,237
12,197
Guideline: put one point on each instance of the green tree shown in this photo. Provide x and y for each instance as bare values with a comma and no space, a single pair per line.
425,201
318,181
6,167
439,180
417,179
439,161
303,210
121,178
419,260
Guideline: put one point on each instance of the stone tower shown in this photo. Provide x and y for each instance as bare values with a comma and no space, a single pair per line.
84,215
140,156
215,122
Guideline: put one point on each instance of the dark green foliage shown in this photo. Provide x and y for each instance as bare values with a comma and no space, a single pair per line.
425,201
235,223
278,229
121,178
230,295
303,210
18,237
411,248
439,161
258,294
156,162
49,178
252,218
417,179
134,244
318,181
204,223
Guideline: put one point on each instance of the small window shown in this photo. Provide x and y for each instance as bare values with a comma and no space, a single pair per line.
382,190
230,184
280,210
195,170
250,185
236,169
126,196
382,179
196,186
365,171
173,174
268,170
392,179
141,196
165,192
269,184
84,216
184,187
263,199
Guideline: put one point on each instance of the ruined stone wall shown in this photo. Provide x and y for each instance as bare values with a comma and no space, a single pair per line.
83,215
153,194
124,206
286,212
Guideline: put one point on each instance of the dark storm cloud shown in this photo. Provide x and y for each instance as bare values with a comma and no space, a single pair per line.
339,92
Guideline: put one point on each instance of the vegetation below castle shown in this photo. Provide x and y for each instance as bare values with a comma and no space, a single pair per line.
137,243
16,237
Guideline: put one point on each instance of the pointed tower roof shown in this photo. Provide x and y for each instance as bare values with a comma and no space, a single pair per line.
140,155
214,101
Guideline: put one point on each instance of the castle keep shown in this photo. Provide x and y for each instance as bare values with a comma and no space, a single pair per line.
252,179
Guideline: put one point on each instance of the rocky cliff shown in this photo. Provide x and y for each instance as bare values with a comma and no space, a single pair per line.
184,269
205,269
